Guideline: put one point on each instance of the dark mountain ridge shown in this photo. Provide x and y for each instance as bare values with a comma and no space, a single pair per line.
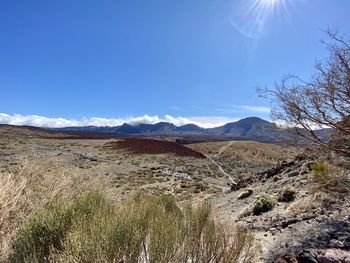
251,128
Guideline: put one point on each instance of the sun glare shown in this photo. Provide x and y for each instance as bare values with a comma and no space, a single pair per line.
250,17
269,2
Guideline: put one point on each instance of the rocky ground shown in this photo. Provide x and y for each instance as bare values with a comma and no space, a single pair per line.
306,219
315,223
312,227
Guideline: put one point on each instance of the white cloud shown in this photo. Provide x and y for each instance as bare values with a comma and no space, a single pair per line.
42,121
244,109
35,120
257,109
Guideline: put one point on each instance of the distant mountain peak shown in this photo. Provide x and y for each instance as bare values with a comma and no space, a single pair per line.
252,119
251,128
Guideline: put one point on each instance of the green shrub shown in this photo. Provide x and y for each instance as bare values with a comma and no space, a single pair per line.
147,229
287,194
42,233
246,193
330,178
320,171
262,204
276,178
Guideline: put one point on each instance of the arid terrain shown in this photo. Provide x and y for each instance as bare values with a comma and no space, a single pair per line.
230,174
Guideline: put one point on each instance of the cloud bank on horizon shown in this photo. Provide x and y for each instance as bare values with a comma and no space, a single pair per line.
47,122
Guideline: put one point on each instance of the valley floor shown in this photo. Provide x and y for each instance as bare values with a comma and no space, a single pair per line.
314,219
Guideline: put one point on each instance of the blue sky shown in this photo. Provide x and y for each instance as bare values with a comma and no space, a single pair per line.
124,59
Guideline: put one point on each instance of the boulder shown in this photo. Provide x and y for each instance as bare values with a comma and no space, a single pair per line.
306,257
332,256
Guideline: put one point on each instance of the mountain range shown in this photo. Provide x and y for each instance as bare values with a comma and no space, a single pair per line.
251,128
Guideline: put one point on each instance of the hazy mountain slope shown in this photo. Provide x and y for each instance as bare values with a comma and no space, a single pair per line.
251,128
248,128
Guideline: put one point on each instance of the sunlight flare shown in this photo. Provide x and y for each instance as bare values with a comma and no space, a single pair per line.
252,16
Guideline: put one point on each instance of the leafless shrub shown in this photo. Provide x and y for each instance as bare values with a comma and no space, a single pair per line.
323,101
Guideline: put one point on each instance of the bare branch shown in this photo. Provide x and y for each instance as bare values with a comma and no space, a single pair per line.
321,102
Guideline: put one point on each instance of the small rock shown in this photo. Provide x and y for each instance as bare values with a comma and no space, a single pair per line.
306,257
287,259
286,223
246,193
346,243
292,174
336,243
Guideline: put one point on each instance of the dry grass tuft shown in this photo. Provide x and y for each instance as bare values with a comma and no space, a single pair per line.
11,189
26,191
143,229
329,178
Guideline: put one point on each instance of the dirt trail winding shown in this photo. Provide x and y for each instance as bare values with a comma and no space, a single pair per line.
221,169
223,148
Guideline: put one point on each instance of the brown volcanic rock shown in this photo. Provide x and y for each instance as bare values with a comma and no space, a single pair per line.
287,259
151,146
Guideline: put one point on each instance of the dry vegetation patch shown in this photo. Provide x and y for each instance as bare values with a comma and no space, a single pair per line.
329,178
142,229
27,190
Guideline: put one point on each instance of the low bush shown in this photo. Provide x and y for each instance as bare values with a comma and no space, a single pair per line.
142,229
286,194
262,204
330,178
30,187
321,171
44,232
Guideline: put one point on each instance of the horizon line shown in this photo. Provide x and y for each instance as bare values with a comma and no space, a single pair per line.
54,122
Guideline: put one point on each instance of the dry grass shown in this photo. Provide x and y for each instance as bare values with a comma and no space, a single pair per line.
311,204
329,178
246,150
143,229
152,229
326,183
10,195
26,191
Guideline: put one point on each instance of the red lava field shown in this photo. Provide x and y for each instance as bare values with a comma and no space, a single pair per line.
150,146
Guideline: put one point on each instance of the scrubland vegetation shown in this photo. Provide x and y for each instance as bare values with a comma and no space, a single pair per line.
56,219
28,189
143,229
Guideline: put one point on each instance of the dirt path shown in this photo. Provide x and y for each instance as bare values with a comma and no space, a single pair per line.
221,169
223,148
